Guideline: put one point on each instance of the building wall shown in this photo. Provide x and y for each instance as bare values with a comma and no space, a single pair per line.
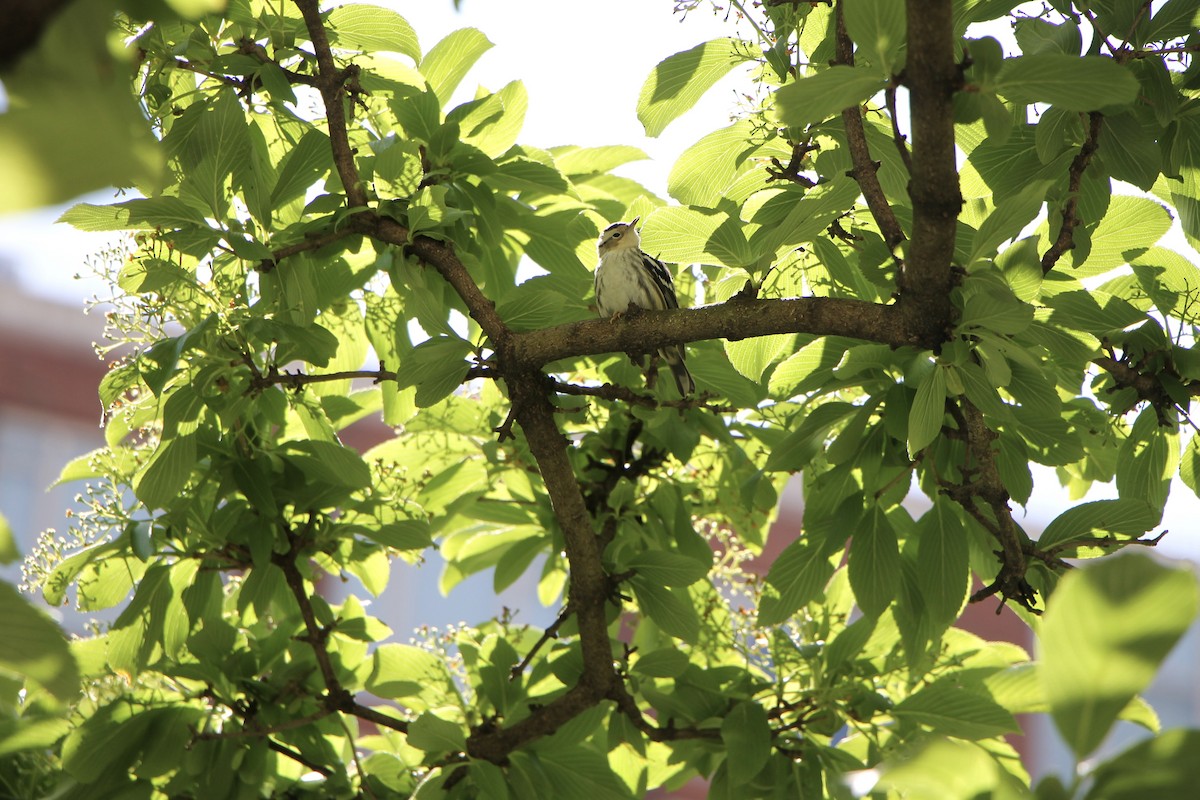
49,409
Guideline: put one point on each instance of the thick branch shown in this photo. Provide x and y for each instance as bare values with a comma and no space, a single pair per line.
330,81
443,258
1070,218
932,77
736,320
864,168
587,595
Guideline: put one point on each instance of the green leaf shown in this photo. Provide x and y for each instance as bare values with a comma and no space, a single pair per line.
407,534
1131,149
163,477
1189,467
92,217
878,26
703,171
802,220
999,313
1165,767
331,463
107,739
71,123
799,574
670,609
215,148
32,734
798,448
304,165
436,367
34,647
580,772
957,711
1069,82
418,112
156,212
752,356
448,61
433,734
928,409
747,737
942,562
1147,460
497,134
1126,517
1173,19
1130,228
1011,215
944,769
678,81
1106,630
874,563
665,662
527,175
687,236
807,368
1038,36
669,569
368,28
574,160
419,677
815,98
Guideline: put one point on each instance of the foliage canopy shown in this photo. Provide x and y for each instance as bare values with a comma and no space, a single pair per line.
326,235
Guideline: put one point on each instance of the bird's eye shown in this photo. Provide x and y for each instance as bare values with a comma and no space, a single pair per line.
617,235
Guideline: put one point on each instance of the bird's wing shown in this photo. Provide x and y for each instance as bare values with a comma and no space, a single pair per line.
662,280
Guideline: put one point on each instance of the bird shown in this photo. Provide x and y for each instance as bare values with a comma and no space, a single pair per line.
627,279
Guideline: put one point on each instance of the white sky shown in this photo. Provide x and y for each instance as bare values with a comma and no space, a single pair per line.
583,65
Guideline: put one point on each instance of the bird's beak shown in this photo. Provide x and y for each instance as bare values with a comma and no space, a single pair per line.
634,222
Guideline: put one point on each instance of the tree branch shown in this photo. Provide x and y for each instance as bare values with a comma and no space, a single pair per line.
865,169
330,82
984,484
337,698
900,139
624,394
312,242
1070,218
932,78
733,320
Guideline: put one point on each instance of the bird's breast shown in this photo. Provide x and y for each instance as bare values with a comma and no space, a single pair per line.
621,280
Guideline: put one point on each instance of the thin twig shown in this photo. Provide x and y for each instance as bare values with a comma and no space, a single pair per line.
311,242
610,391
1070,217
899,138
298,757
547,635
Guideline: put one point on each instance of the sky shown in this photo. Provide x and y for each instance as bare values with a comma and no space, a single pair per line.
583,65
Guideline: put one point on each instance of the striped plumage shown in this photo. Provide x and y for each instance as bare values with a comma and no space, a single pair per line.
628,277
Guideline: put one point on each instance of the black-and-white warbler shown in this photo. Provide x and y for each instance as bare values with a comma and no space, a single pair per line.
626,277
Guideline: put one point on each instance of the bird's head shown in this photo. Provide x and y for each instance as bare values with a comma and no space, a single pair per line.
618,236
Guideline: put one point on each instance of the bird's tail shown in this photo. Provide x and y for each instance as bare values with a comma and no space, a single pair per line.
683,379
